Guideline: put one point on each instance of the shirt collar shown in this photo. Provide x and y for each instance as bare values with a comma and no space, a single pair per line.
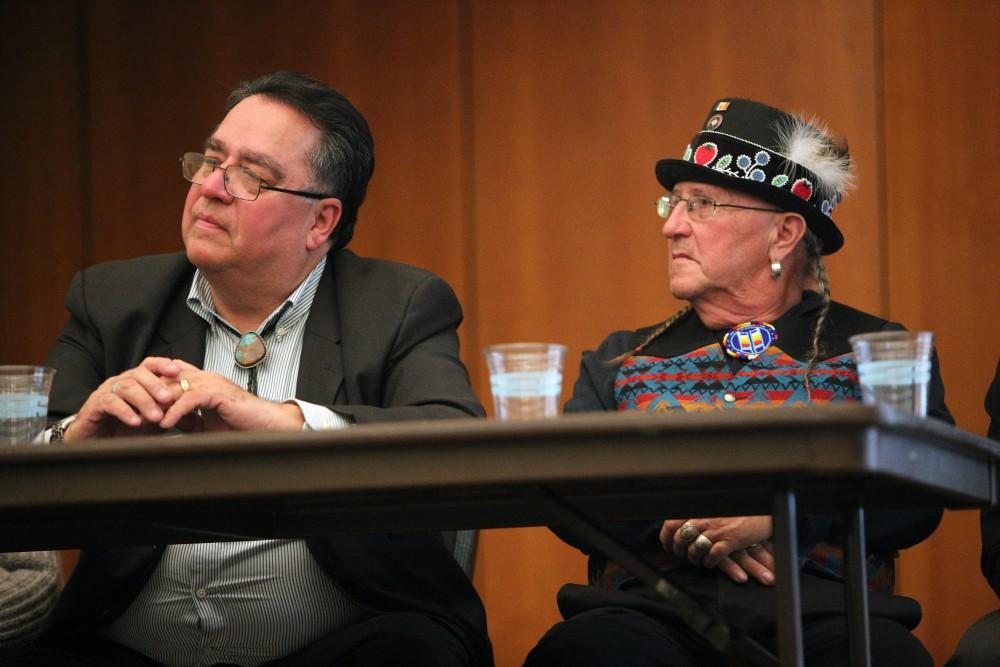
201,302
688,333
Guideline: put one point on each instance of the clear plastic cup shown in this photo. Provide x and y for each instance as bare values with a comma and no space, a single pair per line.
525,379
24,402
894,368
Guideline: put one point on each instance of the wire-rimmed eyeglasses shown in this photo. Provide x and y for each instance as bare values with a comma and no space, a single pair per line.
240,182
699,208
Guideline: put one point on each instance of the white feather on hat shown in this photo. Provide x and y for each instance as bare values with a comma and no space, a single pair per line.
811,145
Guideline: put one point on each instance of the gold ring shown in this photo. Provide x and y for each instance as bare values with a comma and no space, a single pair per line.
185,385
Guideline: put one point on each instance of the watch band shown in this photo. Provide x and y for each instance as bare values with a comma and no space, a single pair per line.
59,428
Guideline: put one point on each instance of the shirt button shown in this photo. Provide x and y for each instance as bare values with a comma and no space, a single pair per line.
201,593
728,398
281,331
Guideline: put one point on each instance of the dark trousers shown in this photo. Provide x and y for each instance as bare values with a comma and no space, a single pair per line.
620,637
383,641
980,645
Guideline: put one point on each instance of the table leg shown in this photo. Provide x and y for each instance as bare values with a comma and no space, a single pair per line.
856,575
787,565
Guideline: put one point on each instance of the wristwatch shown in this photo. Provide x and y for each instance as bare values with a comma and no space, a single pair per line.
59,428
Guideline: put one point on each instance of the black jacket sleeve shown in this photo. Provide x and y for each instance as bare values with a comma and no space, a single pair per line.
890,530
989,519
593,392
417,372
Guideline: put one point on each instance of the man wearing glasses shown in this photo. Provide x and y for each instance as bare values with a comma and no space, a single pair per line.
266,322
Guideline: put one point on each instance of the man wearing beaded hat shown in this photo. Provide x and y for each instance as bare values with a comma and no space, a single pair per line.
747,214
266,322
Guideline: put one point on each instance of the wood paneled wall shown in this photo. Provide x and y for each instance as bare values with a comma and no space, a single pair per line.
941,266
515,150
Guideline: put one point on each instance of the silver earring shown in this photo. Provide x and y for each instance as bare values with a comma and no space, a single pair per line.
775,268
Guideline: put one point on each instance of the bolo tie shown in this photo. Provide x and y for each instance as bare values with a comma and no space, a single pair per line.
749,340
251,350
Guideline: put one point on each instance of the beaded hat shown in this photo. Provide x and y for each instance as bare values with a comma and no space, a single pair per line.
792,163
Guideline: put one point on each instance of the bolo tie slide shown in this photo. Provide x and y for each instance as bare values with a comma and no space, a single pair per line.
249,353
251,350
748,340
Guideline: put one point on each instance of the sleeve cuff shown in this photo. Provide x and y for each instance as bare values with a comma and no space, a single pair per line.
320,417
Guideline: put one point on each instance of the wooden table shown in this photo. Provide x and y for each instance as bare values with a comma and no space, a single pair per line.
480,474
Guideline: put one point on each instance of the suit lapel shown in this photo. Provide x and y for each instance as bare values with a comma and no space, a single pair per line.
181,333
321,370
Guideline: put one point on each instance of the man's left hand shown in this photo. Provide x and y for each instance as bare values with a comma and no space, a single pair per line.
225,406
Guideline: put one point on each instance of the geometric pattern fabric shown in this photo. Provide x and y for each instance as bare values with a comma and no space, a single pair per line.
703,379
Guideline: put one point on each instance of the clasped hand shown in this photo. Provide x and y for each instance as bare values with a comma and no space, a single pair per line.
162,393
739,546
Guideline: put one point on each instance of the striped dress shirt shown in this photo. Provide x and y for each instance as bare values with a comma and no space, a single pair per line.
242,603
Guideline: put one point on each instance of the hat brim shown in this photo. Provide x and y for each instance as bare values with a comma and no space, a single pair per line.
670,172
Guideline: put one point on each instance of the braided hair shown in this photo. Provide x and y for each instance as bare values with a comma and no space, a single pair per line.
649,339
816,269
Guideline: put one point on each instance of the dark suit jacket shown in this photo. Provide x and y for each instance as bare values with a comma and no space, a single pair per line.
380,344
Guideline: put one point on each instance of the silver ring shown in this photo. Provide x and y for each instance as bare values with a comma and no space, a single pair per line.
753,548
114,387
702,543
185,385
688,532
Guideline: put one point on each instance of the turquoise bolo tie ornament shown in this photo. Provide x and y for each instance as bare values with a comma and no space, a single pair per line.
250,350
748,341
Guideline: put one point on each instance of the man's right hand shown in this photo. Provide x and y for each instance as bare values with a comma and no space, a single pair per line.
132,403
738,546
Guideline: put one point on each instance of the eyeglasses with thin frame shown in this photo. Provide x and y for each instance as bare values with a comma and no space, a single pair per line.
699,208
240,182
